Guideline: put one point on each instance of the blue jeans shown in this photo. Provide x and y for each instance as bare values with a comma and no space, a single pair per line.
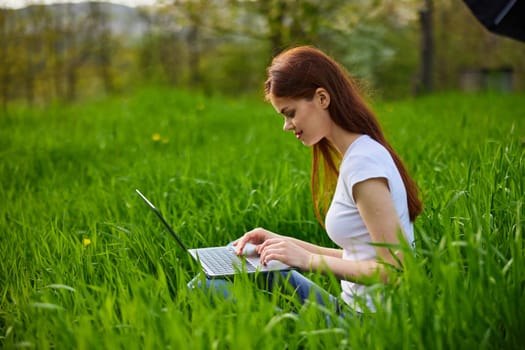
290,282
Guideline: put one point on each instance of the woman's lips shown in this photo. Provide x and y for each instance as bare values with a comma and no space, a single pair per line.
299,134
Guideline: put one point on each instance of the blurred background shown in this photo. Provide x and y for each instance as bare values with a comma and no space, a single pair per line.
56,51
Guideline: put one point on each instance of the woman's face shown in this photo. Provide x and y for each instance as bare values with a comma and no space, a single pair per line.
308,119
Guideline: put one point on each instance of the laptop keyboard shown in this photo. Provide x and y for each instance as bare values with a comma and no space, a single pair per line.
223,260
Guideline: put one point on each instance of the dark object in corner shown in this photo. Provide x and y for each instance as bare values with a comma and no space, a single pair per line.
504,17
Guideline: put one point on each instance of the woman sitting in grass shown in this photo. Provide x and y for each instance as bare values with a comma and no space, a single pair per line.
374,201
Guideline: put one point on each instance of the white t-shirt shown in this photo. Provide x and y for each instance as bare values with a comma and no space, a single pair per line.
364,159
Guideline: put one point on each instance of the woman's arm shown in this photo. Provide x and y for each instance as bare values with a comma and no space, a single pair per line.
363,272
379,214
316,249
376,207
380,217
259,235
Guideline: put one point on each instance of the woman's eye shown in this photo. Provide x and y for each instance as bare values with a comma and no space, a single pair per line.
290,114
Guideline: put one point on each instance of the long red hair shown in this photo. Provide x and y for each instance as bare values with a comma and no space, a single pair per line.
297,73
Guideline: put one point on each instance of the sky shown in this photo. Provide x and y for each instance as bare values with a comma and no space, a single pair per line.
23,3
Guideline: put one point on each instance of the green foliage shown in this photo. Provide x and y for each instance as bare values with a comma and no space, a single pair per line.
86,265
67,52
235,68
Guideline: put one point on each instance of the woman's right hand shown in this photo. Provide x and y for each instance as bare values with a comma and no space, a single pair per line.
256,236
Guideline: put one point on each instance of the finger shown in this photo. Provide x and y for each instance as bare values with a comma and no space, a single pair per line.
239,245
250,236
270,242
263,253
273,255
273,252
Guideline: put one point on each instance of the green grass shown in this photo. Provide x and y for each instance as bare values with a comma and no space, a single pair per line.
221,167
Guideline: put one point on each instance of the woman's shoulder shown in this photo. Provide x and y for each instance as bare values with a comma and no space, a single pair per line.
368,159
365,148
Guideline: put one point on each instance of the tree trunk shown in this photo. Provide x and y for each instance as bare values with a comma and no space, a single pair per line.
275,16
425,84
5,81
194,53
71,80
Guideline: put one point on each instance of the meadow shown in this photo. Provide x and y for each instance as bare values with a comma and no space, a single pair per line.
85,264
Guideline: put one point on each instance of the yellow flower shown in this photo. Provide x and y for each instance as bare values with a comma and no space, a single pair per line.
155,137
165,140
86,242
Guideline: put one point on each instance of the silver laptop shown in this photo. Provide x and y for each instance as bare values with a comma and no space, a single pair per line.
221,261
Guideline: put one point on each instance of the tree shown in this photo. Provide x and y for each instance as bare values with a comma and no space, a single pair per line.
427,47
162,53
101,51
6,37
33,53
77,41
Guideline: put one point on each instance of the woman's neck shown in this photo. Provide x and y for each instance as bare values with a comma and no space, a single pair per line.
342,139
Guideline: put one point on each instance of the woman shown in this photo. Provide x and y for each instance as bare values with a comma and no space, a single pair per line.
373,198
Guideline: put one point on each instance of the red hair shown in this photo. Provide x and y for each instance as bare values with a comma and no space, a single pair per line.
298,73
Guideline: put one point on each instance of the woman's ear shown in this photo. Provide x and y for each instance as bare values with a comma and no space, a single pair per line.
323,97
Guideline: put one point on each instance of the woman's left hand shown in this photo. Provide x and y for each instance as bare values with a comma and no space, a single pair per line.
284,251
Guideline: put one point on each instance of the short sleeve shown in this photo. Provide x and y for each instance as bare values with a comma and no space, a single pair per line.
364,167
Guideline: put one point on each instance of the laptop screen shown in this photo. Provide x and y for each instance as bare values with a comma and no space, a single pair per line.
168,227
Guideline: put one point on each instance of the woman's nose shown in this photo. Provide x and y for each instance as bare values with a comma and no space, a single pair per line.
287,124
